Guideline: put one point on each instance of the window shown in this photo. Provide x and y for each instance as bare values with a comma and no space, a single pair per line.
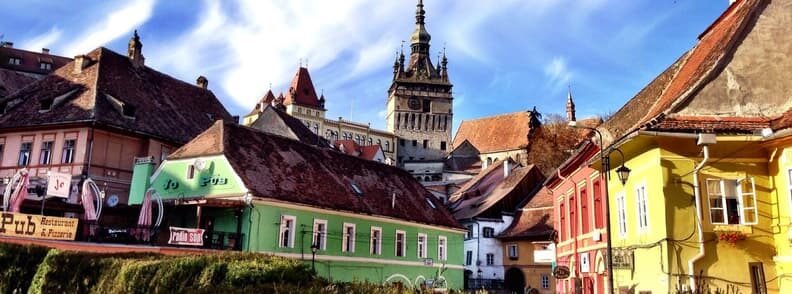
584,211
2,148
45,157
643,213
621,214
425,144
488,232
442,251
572,206
469,233
24,154
68,151
401,243
164,153
758,284
190,172
490,259
427,105
422,246
316,129
789,181
14,61
286,239
320,234
442,145
545,282
415,143
732,201
513,254
401,142
562,220
348,241
371,141
45,66
598,210
379,142
376,241
469,257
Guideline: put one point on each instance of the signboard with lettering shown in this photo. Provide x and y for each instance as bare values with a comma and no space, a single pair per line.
561,272
186,236
622,258
428,261
585,265
544,252
37,226
59,184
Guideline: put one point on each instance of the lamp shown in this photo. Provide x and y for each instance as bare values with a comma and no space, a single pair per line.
314,248
623,172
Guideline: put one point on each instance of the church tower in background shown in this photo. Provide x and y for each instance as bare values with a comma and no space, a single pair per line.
419,107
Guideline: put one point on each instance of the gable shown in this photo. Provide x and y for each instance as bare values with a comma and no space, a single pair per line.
217,179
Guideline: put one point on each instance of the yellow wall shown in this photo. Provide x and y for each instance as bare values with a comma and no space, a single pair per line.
779,167
525,262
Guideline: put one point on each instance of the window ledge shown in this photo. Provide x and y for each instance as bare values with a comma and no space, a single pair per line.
745,229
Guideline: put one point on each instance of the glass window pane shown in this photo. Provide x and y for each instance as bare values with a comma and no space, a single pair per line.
747,186
730,188
716,216
716,203
713,187
732,211
748,201
750,216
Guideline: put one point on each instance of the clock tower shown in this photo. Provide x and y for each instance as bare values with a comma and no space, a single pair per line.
420,100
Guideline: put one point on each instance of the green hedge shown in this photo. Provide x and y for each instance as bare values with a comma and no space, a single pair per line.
36,269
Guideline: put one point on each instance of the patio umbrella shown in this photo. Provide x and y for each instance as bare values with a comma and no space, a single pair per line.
144,219
9,189
90,193
20,193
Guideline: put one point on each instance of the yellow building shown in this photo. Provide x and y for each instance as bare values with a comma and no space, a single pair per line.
707,202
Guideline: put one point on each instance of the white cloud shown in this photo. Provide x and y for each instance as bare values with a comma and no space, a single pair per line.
116,24
557,73
44,40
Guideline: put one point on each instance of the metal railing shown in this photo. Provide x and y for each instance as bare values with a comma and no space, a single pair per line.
487,284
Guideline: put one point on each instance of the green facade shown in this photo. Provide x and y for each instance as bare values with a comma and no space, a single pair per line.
260,225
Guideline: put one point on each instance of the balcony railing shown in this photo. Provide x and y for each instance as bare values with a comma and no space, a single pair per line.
487,284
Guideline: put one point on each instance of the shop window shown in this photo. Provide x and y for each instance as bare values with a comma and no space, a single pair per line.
732,201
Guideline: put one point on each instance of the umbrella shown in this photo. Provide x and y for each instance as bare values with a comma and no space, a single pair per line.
144,219
89,195
20,193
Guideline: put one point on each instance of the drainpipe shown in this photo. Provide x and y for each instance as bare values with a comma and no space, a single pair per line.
704,140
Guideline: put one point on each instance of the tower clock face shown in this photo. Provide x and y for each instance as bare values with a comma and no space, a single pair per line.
414,103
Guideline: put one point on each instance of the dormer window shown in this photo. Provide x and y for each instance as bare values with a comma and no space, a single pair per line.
356,189
45,66
128,110
46,104
14,61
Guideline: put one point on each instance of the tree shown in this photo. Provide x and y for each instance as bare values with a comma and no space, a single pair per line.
551,143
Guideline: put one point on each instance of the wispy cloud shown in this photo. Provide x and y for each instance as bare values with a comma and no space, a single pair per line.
43,40
558,74
116,24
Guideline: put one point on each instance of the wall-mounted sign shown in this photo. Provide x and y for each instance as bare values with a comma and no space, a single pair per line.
585,264
544,252
59,184
428,261
623,258
37,226
186,236
561,272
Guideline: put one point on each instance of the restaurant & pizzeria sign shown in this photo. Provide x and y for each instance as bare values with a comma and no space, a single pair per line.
37,226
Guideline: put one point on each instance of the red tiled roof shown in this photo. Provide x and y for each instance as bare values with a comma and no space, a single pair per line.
534,225
495,133
490,193
712,124
278,168
275,121
156,104
31,61
782,122
353,149
369,152
12,81
302,91
264,101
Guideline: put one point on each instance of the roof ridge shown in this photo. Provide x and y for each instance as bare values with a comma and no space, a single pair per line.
495,116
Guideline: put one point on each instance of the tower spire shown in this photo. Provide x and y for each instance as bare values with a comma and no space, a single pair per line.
570,105
420,38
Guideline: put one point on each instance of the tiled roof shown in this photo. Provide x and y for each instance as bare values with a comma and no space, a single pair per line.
12,81
351,148
784,121
109,91
275,121
279,168
489,193
688,74
264,101
534,225
302,91
712,124
30,62
495,133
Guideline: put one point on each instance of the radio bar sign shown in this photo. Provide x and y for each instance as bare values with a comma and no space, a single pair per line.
186,236
37,226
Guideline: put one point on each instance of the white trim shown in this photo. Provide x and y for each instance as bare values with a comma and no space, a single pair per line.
442,251
621,214
366,259
403,245
290,205
516,250
379,241
344,236
324,233
423,246
283,229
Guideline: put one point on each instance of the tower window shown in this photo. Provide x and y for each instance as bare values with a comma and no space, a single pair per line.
425,143
443,145
401,142
415,143
427,105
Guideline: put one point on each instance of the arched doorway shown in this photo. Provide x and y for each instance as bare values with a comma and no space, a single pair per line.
515,280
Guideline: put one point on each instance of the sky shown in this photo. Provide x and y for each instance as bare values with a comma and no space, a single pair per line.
504,55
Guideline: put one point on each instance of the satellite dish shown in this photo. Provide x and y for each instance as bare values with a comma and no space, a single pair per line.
200,164
112,201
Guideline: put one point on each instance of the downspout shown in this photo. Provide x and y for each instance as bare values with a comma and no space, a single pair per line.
702,140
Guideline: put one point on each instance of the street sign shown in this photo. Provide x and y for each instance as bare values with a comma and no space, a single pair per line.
561,272
59,184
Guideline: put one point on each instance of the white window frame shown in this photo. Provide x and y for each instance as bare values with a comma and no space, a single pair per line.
621,214
469,257
422,249
442,248
545,281
322,234
396,246
490,259
346,236
740,194
514,251
378,249
642,208
283,228
789,189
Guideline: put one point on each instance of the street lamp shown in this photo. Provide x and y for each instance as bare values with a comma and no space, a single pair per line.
314,248
622,172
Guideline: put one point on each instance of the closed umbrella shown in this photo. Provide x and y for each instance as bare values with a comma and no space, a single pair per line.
144,219
20,193
89,195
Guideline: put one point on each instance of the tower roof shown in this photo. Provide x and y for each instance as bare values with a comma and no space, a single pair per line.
302,91
420,35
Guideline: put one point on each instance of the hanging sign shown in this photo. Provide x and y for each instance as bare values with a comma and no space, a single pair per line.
186,236
59,184
561,272
37,226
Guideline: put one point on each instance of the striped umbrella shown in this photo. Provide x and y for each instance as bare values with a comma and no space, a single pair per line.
20,193
144,219
90,192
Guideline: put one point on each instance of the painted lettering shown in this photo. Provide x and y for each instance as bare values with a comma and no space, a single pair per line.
7,219
171,185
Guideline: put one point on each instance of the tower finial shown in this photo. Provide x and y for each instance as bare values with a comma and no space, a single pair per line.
135,50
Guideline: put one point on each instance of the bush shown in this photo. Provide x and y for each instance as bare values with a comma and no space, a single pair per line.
19,265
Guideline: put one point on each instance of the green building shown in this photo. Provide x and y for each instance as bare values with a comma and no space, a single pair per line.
265,193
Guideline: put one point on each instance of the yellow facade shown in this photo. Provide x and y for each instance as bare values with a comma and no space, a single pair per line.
532,271
780,168
662,244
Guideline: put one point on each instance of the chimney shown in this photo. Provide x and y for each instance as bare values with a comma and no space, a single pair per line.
506,168
81,62
135,51
45,51
8,44
202,82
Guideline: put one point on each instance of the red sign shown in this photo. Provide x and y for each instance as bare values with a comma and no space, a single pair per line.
186,236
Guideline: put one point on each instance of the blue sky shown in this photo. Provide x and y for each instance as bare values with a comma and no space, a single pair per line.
504,55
